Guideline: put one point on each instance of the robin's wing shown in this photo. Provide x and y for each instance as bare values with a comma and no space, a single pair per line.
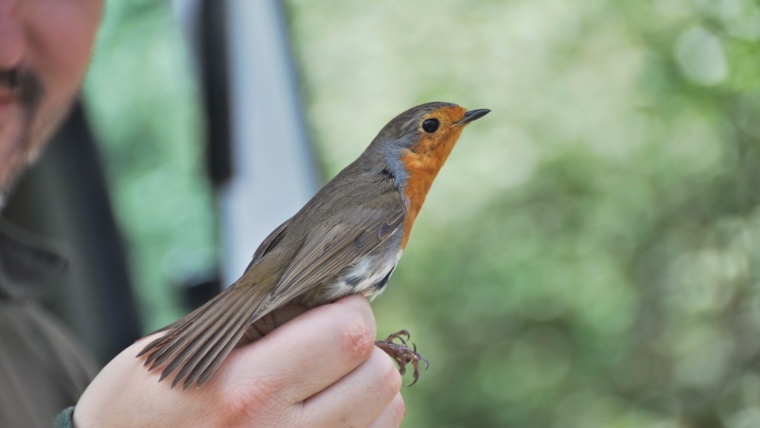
269,243
330,249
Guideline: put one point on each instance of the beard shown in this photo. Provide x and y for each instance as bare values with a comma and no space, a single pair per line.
19,144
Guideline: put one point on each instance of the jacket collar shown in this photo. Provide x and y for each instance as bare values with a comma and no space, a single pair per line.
28,265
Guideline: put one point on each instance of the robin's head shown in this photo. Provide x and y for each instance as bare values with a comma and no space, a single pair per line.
414,146
422,137
426,126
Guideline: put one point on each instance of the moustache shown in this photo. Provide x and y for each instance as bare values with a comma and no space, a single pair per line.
25,84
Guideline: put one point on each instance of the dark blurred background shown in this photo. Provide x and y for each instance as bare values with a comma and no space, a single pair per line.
589,256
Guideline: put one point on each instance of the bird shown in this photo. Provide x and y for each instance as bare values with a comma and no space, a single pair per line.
346,240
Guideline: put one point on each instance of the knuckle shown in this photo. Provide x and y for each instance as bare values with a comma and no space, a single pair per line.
391,378
356,336
255,400
398,409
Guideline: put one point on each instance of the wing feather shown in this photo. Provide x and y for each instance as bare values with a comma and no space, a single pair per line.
332,250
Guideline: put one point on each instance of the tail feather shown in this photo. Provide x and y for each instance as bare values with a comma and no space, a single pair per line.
212,345
194,342
172,330
199,342
208,361
182,336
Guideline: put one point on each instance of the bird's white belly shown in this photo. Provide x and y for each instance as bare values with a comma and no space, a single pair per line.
363,277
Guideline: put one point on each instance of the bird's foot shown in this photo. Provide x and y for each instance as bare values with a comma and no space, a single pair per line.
402,354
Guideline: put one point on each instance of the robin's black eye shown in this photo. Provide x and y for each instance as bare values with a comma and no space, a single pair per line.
430,125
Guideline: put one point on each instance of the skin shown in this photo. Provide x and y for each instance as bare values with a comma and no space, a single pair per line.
50,41
45,47
276,382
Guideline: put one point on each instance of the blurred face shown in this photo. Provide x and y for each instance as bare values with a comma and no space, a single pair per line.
44,50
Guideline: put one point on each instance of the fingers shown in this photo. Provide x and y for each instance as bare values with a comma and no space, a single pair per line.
371,388
392,415
319,369
306,355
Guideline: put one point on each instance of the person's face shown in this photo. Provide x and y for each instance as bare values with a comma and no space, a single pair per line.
44,51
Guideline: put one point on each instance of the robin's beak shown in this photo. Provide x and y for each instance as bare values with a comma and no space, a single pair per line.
471,115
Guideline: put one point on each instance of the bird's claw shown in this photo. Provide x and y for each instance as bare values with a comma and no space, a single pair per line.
402,354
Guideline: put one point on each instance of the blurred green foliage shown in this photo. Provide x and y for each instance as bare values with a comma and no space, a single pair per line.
589,256
143,101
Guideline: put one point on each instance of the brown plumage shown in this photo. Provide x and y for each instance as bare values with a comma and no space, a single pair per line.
346,240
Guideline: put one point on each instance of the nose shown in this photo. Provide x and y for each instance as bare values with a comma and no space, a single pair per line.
12,38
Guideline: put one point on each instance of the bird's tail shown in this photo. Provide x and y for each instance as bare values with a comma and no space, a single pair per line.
198,343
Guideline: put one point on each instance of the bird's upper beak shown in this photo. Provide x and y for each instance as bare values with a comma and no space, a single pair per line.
471,115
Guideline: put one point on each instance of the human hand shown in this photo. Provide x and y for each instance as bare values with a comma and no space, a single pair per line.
319,370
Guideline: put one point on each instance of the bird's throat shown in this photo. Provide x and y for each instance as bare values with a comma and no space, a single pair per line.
422,166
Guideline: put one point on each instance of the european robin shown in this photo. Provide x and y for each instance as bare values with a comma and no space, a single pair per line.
346,240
